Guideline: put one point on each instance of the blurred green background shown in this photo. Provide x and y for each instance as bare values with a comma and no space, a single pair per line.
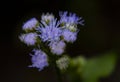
100,34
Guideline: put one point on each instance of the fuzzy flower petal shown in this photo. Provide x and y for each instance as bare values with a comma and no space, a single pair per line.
47,17
70,18
50,32
30,24
29,38
39,59
69,36
57,47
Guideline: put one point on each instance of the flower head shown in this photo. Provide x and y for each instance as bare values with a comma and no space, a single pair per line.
39,59
70,18
50,32
63,62
29,38
69,36
47,17
30,24
57,47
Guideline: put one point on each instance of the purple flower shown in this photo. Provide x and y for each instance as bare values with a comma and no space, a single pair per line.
70,18
30,24
57,47
29,38
69,36
51,32
39,59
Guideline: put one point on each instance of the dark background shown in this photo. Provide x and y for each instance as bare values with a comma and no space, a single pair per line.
100,34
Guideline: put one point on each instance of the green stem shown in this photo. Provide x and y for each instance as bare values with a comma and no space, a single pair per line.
53,59
58,73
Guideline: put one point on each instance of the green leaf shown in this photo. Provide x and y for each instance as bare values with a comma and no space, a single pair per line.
75,68
98,67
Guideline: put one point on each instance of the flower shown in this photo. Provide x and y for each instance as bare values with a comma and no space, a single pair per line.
47,17
57,47
30,24
63,62
70,18
50,32
51,35
69,36
29,38
39,59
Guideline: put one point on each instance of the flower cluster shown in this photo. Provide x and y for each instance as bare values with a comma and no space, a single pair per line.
51,32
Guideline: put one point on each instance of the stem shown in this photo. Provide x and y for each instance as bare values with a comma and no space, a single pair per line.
58,73
53,59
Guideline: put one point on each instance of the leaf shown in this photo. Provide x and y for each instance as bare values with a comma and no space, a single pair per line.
98,67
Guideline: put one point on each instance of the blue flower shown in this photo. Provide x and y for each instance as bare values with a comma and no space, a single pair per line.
39,59
29,38
69,36
51,32
30,24
57,47
70,18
